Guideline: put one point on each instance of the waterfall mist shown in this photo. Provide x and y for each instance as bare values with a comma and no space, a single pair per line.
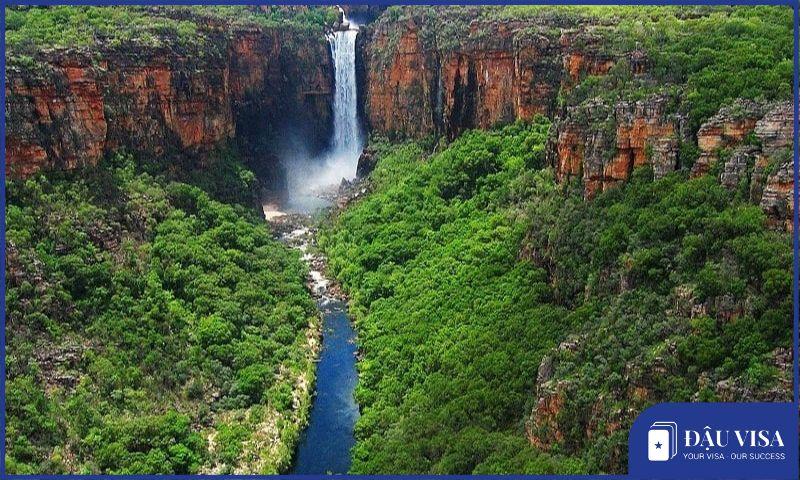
306,173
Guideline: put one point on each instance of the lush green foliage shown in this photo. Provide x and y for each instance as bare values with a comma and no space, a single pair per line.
226,178
63,26
716,55
687,295
154,326
713,54
33,28
140,314
451,324
466,268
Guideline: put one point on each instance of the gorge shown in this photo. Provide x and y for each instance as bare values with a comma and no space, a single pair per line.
326,442
540,220
72,111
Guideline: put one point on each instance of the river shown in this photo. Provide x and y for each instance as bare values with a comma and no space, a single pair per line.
325,444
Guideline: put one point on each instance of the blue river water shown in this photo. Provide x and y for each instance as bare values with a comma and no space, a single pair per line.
325,444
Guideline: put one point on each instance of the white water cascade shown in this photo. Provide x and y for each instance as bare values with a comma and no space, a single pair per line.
311,178
347,142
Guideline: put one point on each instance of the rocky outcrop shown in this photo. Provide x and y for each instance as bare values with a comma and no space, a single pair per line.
775,129
583,54
543,427
421,81
759,155
776,132
366,162
728,127
72,106
776,200
602,143
550,425
736,389
738,167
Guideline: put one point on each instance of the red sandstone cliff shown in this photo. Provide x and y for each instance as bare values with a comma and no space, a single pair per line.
725,129
420,81
73,106
602,143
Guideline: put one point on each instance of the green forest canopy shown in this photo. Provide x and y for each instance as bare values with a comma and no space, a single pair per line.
147,299
36,28
467,267
140,314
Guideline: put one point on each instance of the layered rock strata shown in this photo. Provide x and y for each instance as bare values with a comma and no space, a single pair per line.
73,106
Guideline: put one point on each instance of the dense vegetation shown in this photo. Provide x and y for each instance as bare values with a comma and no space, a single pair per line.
467,268
686,297
150,328
154,326
712,54
715,55
30,29
451,325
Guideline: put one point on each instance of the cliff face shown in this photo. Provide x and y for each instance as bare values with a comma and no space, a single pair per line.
725,129
72,107
774,167
754,143
419,81
603,142
400,94
492,73
54,116
582,55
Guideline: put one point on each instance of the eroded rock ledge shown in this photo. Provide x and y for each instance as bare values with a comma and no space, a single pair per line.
747,145
71,106
419,81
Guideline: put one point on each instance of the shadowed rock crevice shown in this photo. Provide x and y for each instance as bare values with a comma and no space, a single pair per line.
252,84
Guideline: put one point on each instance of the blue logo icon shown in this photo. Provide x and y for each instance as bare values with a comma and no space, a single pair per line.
662,441
717,440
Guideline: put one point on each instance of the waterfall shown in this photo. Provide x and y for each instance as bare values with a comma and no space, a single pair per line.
341,160
347,142
308,175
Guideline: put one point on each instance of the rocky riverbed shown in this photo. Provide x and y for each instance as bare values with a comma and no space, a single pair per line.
327,439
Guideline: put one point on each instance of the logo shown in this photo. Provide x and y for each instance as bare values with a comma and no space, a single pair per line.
662,441
717,440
